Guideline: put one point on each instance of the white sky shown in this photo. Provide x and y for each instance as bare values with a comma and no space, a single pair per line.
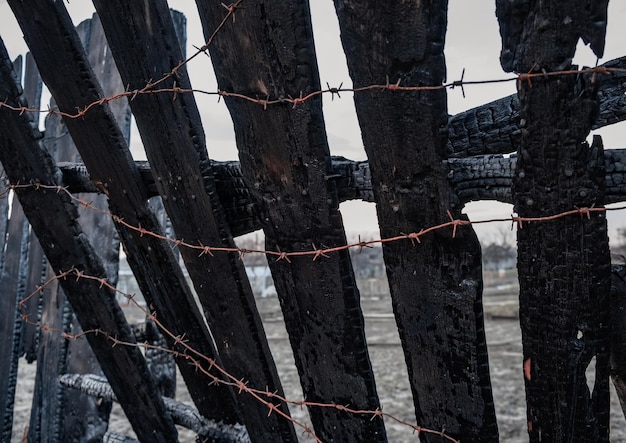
473,43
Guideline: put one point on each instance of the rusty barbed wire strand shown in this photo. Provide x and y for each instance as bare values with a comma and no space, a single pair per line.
314,252
195,357
265,397
268,101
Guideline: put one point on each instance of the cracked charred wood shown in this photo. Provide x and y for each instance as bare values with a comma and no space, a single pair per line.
493,128
487,177
437,292
285,160
563,265
182,414
484,177
66,247
36,257
68,75
490,177
174,142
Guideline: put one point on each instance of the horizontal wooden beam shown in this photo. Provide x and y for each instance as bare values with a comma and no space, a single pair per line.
486,177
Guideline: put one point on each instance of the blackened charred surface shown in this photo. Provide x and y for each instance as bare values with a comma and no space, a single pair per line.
68,75
436,286
618,332
84,417
563,265
539,35
36,268
285,159
67,248
175,146
563,310
12,282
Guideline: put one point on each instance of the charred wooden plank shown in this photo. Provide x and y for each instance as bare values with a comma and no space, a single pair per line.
66,247
13,280
182,414
494,128
563,265
618,332
37,262
49,402
12,285
174,143
487,177
436,288
285,160
68,75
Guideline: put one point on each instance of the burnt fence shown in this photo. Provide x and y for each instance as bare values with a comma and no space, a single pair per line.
77,195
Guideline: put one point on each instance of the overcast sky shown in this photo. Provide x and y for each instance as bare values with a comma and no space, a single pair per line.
472,42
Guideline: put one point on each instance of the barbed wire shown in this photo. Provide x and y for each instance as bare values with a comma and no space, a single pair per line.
150,87
194,357
265,397
301,99
315,252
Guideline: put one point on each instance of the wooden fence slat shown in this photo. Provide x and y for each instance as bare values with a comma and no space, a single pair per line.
618,333
436,286
285,159
36,259
564,265
66,248
49,398
12,281
67,74
174,142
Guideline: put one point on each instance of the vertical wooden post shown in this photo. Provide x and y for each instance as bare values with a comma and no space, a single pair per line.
563,265
436,284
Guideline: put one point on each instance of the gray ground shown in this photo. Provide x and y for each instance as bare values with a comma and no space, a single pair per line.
504,341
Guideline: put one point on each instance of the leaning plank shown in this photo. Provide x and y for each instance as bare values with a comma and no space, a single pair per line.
174,142
68,251
68,75
285,160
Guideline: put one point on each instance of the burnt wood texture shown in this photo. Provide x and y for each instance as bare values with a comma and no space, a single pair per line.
268,51
84,417
174,143
563,265
15,237
618,332
67,73
12,287
436,286
66,247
